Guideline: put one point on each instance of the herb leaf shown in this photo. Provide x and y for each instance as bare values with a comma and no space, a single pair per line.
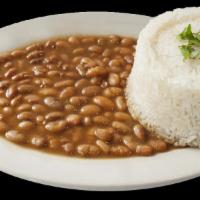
191,43
186,51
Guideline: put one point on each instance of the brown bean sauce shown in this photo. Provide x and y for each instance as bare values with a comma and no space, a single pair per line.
66,96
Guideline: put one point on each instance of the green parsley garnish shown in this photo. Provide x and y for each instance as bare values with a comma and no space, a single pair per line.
191,43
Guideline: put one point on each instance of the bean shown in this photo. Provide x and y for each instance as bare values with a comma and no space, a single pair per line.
127,42
1,116
11,91
158,145
4,83
78,100
82,83
3,127
128,140
113,39
121,103
51,59
107,53
122,116
39,70
101,120
73,119
112,91
54,143
108,114
17,53
24,107
39,141
104,102
73,75
120,150
88,150
35,54
78,51
38,108
115,69
67,92
10,72
96,71
3,101
128,67
15,136
54,74
50,44
95,49
7,110
88,40
36,61
25,116
99,62
52,102
15,101
90,110
48,91
105,134
129,59
26,125
4,57
33,47
124,75
32,98
68,148
106,60
115,63
43,82
25,81
96,80
56,126
121,127
21,76
70,108
139,132
73,40
125,51
87,121
144,150
123,83
101,41
113,79
25,88
117,49
52,116
103,146
8,65
87,62
91,91
62,44
65,83
76,60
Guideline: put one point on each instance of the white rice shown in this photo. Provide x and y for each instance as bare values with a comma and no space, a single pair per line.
163,91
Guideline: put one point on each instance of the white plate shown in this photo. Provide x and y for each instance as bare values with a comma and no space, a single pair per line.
90,174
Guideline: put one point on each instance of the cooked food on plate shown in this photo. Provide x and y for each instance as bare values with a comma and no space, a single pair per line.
66,95
163,90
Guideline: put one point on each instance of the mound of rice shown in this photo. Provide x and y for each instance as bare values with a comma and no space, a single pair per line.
163,90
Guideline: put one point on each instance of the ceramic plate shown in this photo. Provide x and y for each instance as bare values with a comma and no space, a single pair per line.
90,174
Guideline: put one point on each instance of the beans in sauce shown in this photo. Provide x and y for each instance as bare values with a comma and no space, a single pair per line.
66,96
